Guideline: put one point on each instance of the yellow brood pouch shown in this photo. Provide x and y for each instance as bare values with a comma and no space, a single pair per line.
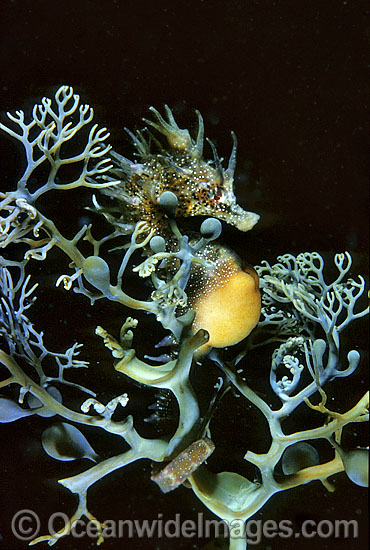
228,304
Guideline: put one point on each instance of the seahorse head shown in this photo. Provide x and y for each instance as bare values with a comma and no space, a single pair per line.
203,187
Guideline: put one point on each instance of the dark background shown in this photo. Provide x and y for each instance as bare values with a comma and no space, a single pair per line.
290,78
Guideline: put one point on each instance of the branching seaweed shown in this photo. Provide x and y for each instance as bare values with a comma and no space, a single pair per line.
303,315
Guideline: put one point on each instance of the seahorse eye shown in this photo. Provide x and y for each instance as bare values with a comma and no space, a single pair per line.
216,194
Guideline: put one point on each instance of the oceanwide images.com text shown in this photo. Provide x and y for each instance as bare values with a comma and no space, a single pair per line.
26,526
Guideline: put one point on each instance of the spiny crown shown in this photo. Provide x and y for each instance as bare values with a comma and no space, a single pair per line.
203,187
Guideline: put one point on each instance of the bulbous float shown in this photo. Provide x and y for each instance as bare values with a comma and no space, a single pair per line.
299,456
356,465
